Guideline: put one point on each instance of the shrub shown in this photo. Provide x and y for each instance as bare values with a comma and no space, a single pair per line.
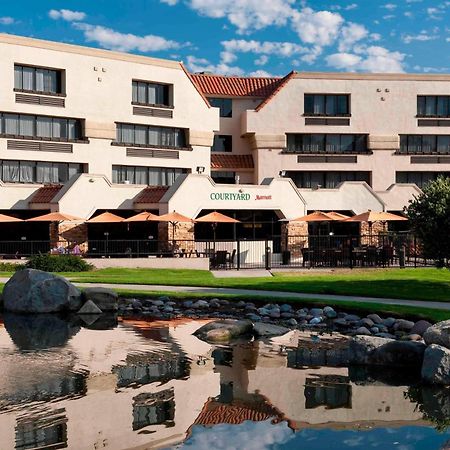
58,263
10,267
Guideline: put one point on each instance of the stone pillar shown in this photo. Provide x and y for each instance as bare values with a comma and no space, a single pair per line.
67,234
370,235
182,233
294,237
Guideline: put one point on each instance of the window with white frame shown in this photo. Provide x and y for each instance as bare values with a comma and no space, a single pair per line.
38,79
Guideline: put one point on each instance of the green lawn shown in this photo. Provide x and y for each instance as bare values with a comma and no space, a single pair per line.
418,284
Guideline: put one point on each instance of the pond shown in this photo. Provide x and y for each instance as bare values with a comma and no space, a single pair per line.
93,384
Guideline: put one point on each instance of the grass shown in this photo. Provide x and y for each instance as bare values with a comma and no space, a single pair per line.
417,284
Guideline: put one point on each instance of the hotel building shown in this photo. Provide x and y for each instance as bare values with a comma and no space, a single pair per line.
85,130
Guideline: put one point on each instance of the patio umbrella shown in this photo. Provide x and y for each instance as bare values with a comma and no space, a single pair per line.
56,217
9,219
371,216
174,218
316,216
214,218
105,217
143,216
337,216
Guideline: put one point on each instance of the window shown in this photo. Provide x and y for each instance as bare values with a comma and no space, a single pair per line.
433,105
152,176
37,171
224,177
425,144
222,143
327,105
154,94
44,127
37,79
327,143
326,179
148,135
224,104
418,178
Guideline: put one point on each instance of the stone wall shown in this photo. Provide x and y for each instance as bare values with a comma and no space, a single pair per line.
294,237
67,234
183,233
370,234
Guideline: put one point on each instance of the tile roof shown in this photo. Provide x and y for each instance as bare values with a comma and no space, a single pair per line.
45,194
280,85
224,161
236,86
151,194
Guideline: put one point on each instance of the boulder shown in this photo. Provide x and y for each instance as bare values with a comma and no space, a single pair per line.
329,312
371,350
268,330
105,299
389,322
403,325
224,330
375,318
436,365
363,331
89,308
438,334
420,327
35,291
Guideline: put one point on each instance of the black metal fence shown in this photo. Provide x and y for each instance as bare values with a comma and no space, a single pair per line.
300,251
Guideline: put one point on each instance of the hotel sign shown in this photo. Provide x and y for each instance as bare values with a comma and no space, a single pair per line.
231,196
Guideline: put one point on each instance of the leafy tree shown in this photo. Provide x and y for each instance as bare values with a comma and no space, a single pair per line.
429,214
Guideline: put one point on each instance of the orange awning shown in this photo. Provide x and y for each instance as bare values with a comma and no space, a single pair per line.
8,219
337,216
174,217
56,217
371,216
105,217
316,216
216,217
143,217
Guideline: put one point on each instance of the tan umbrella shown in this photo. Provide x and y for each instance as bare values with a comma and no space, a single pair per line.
9,219
143,217
174,218
214,218
316,216
372,216
106,217
337,216
56,217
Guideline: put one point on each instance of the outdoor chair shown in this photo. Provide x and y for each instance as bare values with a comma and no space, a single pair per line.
230,258
221,259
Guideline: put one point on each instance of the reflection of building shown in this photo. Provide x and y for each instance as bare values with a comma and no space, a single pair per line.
193,385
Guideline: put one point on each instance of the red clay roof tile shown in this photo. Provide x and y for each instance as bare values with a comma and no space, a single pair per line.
151,194
45,194
224,161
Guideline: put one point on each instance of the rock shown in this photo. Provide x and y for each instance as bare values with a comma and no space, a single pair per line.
329,312
363,331
411,337
389,322
340,322
285,308
136,304
436,365
253,317
385,335
375,318
188,303
200,304
214,304
420,327
316,312
403,325
250,307
269,330
89,308
315,320
168,309
274,313
164,299
370,350
438,334
292,322
240,304
287,315
157,303
224,330
105,299
374,330
35,291
366,323
263,311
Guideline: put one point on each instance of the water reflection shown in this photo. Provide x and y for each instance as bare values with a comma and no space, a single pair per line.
155,385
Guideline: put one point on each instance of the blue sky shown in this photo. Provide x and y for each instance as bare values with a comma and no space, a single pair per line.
251,37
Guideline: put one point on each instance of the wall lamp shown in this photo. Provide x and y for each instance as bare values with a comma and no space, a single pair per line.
282,173
200,169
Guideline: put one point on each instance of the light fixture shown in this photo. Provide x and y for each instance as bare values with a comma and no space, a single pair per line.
282,173
237,179
91,180
200,169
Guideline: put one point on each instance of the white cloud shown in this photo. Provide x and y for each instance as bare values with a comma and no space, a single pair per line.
260,73
423,36
285,49
66,14
124,42
350,35
170,2
435,13
262,60
389,17
195,64
351,6
408,14
371,59
6,20
389,6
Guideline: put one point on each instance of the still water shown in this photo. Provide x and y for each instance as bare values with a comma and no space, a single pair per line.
100,384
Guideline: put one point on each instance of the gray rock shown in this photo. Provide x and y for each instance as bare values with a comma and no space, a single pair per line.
363,331
292,322
200,304
352,318
105,299
164,299
340,322
253,317
411,337
240,304
157,303
374,330
389,322
89,308
136,304
315,320
214,304
316,312
188,303
269,330
35,291
329,312
224,330
263,311
436,365
403,325
274,314
366,323
287,315
385,335
371,350
438,334
285,308
375,318
168,309
420,327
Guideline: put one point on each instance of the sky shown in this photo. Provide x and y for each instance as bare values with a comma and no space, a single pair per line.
250,37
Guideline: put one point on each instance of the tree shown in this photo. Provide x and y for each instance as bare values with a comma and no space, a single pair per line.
429,215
